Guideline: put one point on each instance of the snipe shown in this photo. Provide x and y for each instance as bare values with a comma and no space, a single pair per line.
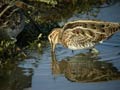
82,34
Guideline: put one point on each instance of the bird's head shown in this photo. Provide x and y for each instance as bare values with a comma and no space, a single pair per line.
54,37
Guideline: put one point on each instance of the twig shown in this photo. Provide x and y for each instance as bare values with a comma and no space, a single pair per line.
13,12
9,6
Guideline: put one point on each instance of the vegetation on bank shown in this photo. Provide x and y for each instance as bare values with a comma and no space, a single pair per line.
9,50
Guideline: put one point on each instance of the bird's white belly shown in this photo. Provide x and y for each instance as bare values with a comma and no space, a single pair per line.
74,48
85,46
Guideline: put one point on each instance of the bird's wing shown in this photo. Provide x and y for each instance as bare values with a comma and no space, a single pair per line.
80,36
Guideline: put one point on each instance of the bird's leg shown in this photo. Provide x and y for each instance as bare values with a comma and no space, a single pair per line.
72,51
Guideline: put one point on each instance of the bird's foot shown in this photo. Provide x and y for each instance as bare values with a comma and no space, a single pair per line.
94,51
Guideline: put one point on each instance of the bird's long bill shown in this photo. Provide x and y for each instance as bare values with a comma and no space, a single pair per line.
52,45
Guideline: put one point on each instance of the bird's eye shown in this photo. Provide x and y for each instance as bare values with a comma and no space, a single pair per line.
50,36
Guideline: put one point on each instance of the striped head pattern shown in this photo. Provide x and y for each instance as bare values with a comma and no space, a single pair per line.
54,37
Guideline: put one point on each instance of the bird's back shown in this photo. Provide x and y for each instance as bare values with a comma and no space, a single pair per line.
101,26
86,33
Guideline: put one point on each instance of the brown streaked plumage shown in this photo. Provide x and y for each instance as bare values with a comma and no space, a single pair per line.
82,34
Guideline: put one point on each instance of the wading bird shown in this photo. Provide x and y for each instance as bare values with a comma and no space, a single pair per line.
82,34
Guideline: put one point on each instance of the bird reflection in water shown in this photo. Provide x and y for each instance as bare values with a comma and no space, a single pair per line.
84,68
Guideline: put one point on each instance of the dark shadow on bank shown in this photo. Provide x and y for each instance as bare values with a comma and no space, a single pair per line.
13,77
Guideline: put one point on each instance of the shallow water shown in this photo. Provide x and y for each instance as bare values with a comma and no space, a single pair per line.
36,73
